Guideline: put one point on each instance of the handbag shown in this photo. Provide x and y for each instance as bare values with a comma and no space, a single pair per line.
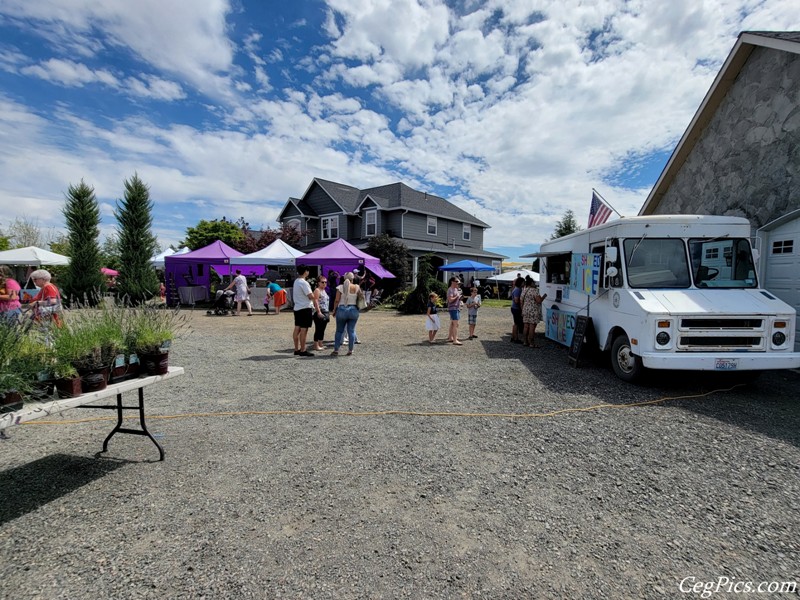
361,301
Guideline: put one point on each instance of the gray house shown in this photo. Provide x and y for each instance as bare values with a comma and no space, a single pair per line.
740,155
425,223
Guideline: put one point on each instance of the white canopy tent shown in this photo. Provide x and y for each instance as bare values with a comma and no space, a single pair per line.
277,253
158,260
510,276
31,256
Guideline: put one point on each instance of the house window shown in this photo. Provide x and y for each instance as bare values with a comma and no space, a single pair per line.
330,228
783,247
467,232
371,217
295,223
712,253
432,226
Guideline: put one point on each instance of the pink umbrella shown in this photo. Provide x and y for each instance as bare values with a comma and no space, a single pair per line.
109,272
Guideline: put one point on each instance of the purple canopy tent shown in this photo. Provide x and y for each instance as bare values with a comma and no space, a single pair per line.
194,268
341,257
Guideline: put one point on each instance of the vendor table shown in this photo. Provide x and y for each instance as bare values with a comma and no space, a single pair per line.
191,294
37,410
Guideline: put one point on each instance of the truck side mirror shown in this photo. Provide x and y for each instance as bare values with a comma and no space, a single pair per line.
756,254
612,271
611,254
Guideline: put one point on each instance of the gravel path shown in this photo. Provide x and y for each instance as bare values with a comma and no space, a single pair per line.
619,502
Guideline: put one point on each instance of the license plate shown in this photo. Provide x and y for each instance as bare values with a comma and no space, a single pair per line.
726,364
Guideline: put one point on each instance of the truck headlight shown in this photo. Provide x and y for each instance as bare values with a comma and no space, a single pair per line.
779,338
662,339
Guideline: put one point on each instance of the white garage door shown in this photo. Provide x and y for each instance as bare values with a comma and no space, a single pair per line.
783,267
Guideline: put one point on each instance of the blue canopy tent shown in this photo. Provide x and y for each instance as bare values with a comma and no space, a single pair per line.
467,265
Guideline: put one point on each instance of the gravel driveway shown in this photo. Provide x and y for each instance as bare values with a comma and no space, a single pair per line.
615,502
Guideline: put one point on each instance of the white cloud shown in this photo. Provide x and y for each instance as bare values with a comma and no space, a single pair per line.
69,73
185,38
521,106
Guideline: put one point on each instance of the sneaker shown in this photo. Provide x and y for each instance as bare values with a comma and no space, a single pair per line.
306,353
297,352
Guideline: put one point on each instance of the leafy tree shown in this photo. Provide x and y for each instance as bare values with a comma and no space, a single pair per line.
292,235
393,255
137,244
417,300
566,225
25,232
110,252
5,243
249,241
288,233
82,279
206,232
60,244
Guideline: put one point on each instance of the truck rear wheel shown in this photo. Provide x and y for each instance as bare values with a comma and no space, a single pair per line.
627,366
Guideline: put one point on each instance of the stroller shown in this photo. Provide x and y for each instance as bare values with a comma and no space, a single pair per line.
223,303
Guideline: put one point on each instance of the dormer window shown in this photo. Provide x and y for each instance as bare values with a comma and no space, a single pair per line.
467,232
371,221
432,226
330,228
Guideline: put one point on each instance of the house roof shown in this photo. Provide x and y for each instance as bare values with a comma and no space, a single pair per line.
303,207
398,196
395,196
787,41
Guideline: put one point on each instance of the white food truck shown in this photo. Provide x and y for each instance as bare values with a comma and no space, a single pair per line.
667,292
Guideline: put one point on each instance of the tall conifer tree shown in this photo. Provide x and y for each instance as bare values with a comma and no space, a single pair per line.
83,281
137,244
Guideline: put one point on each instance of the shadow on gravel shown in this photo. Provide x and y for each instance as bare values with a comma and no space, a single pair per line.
26,488
765,405
282,355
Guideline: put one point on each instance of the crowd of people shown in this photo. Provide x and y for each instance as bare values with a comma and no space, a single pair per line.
336,297
526,311
44,306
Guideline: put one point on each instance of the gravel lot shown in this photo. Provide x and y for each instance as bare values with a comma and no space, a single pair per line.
615,502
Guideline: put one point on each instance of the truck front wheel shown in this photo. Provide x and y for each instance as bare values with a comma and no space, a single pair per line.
627,366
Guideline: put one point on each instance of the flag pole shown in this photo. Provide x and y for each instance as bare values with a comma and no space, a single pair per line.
599,195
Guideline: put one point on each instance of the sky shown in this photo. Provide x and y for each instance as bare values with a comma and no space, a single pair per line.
514,110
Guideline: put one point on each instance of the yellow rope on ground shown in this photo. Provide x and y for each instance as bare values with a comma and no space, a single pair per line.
410,413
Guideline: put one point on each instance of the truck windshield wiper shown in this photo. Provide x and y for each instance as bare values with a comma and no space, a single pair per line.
635,247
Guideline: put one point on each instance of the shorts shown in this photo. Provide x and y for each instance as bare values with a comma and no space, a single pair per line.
517,315
472,319
455,315
303,318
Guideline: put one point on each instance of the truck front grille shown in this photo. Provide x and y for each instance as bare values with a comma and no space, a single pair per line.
703,334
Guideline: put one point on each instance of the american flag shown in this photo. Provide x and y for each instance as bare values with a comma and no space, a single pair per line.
599,212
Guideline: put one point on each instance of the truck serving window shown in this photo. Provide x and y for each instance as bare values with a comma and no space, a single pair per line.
722,263
656,263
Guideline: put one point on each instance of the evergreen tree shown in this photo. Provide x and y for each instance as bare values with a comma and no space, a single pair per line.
137,244
566,225
83,281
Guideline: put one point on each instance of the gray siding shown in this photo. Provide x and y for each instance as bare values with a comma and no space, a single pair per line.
416,228
321,202
390,222
747,160
290,212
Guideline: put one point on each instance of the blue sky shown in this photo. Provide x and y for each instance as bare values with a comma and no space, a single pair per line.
512,109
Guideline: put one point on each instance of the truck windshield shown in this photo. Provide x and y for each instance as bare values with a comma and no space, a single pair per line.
722,263
656,263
